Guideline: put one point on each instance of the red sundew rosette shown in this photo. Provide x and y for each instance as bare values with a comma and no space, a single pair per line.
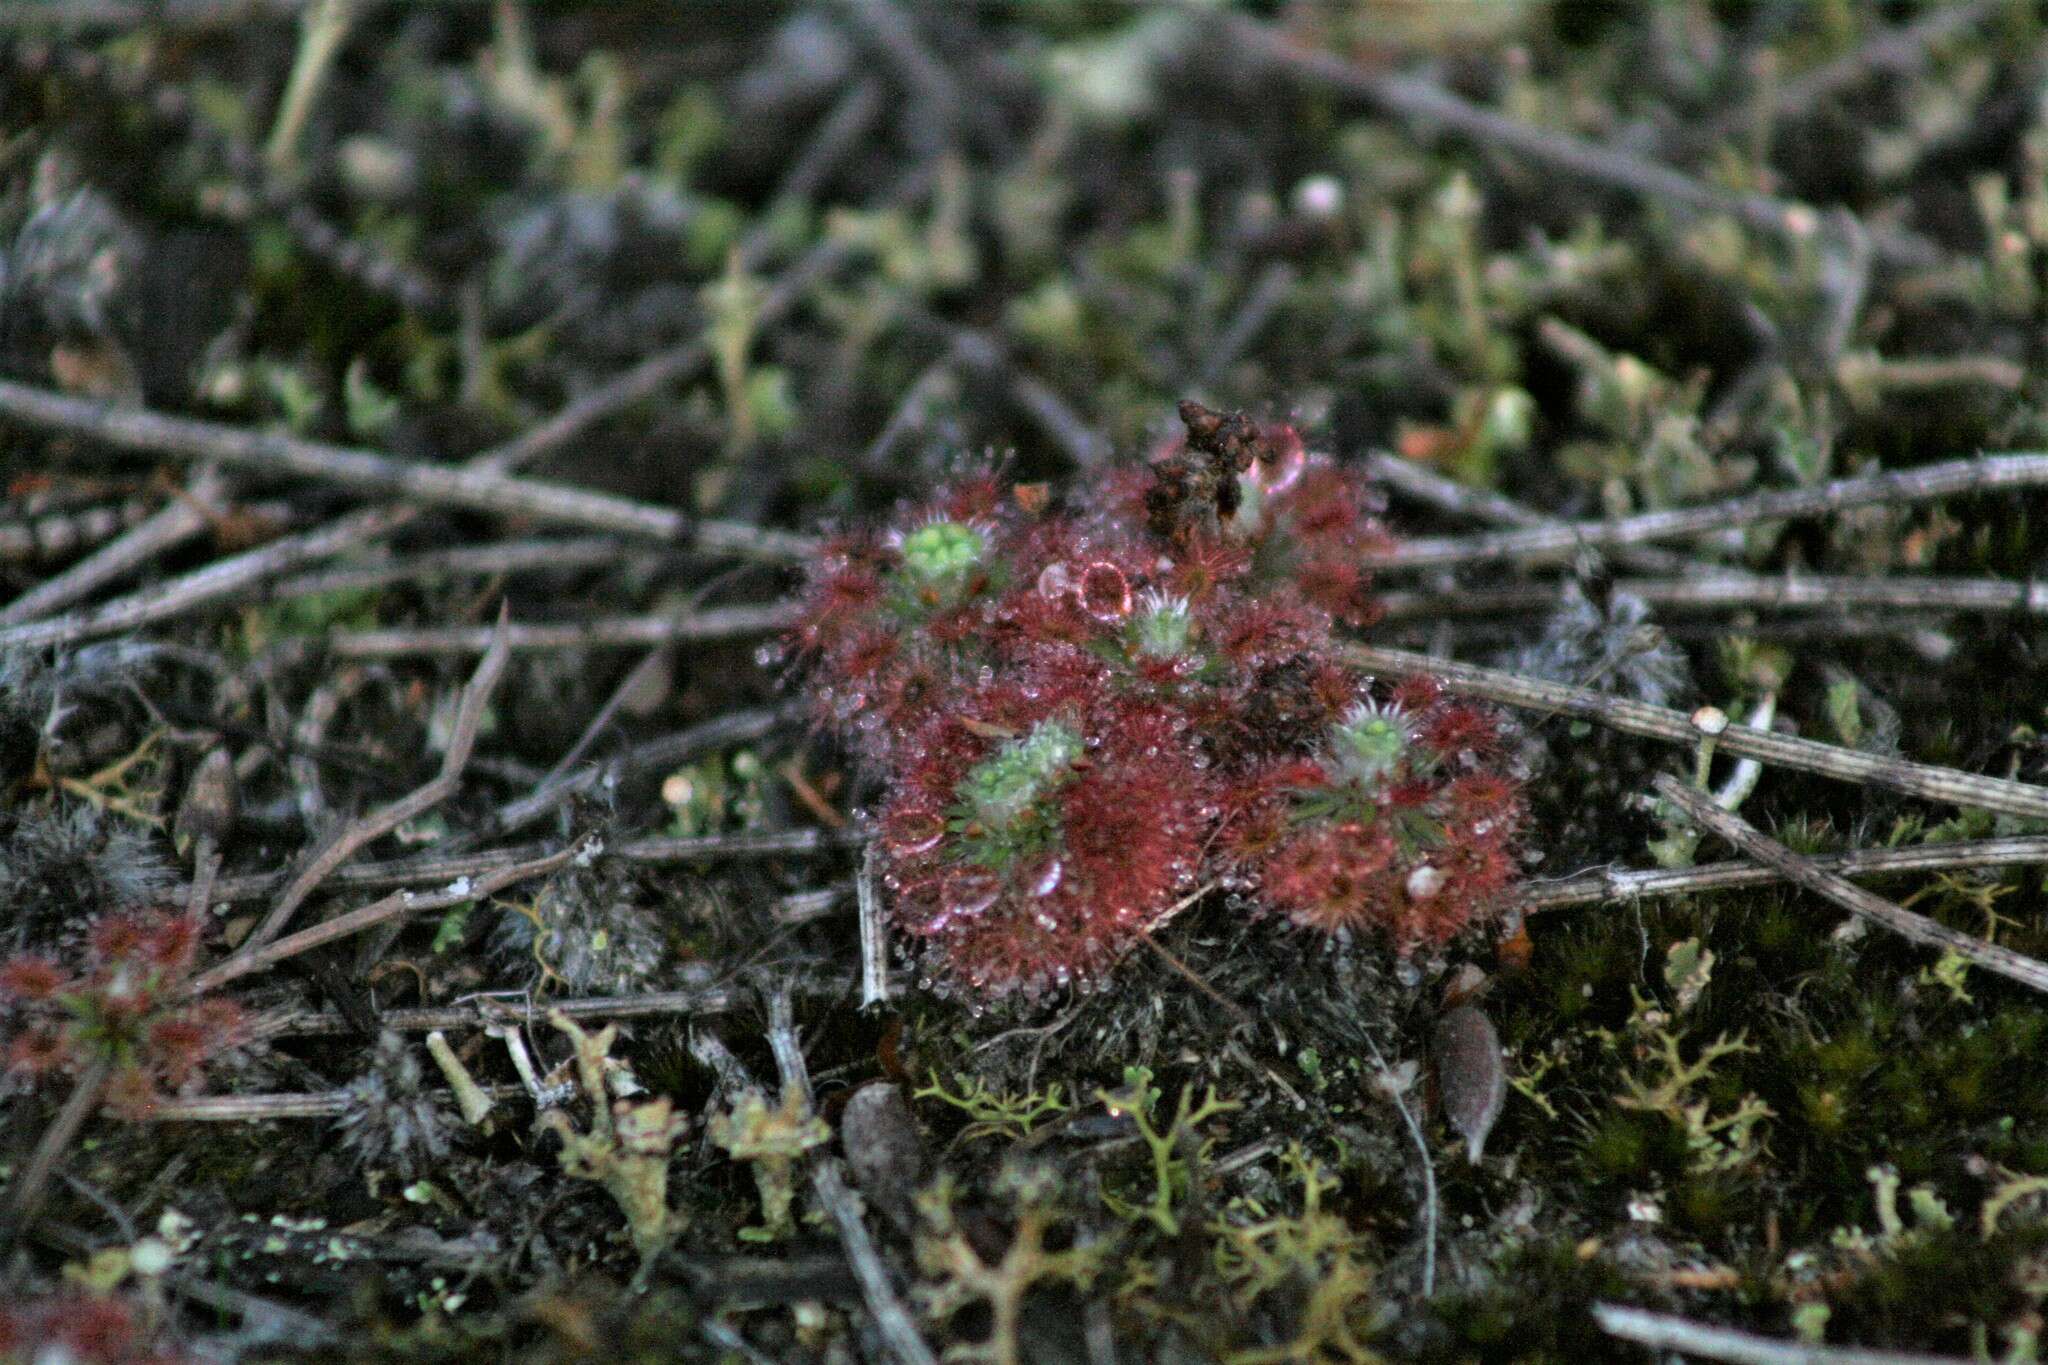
1331,873
1131,823
841,595
1069,590
125,1007
1254,633
87,1329
870,669
1318,534
1334,875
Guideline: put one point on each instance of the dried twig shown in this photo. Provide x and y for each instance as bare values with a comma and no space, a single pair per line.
787,1048
1984,474
1264,297
836,134
1618,886
1717,589
912,411
828,1184
318,1104
983,351
742,844
444,868
1668,1332
1429,105
25,1192
178,521
892,1319
874,933
660,628
488,1010
374,876
1483,504
544,555
397,905
938,94
1893,50
733,727
332,853
1657,722
1802,871
475,485
221,579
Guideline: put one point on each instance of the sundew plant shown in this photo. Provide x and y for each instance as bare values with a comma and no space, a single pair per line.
1085,710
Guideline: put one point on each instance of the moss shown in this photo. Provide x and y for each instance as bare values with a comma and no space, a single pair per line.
1534,1312
1933,1293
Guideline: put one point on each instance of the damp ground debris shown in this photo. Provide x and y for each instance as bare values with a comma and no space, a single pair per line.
867,680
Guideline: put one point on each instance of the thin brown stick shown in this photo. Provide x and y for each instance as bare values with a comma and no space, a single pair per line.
895,35
221,579
397,905
787,1047
332,853
1053,415
912,411
1261,301
1892,50
648,378
317,1104
683,850
427,871
828,1185
711,623
1658,722
475,485
489,1010
178,521
1663,1332
733,727
25,1192
1802,871
1984,474
874,932
1717,590
377,876
190,15
1448,495
43,537
1482,504
544,555
1429,105
1620,886
836,134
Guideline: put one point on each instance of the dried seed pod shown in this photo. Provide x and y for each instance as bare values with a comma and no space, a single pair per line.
211,801
1471,1075
883,1149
